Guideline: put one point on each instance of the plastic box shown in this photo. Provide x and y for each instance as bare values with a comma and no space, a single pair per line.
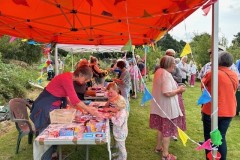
62,115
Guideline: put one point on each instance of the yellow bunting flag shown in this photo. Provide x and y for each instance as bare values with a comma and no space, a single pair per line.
24,40
182,136
186,50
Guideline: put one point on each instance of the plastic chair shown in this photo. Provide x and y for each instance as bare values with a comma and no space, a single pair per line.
19,115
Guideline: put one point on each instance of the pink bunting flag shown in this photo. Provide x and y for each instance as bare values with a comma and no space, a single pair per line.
206,8
21,2
12,39
206,145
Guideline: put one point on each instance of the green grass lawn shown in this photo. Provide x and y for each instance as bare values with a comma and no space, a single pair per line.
141,140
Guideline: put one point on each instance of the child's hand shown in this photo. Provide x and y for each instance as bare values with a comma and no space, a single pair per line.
106,109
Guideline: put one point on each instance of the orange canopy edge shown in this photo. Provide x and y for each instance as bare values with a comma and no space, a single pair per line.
93,22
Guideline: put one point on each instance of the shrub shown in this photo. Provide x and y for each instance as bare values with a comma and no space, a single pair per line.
14,80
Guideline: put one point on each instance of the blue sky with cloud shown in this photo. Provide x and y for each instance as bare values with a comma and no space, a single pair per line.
229,23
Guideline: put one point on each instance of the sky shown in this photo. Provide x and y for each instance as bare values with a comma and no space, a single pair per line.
229,22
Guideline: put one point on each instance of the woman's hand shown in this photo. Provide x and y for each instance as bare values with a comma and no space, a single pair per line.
181,89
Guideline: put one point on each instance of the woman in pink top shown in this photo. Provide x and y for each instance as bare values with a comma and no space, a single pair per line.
166,107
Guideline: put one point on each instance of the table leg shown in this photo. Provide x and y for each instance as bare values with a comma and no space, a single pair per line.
87,152
60,152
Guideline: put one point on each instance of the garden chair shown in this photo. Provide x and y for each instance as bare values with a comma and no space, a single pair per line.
19,115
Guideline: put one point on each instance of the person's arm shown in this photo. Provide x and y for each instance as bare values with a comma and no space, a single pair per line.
97,69
180,89
118,80
91,110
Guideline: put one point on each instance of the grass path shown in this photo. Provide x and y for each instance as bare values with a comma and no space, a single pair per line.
141,140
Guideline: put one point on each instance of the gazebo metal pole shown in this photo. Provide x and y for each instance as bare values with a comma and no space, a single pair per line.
214,115
56,59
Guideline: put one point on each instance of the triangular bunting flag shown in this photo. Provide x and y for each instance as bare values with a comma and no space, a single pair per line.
206,145
216,137
128,46
32,42
146,14
146,96
186,50
182,136
204,98
146,48
206,10
24,40
12,39
105,13
209,4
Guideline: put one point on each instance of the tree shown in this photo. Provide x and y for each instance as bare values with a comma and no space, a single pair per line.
19,50
199,45
168,42
236,40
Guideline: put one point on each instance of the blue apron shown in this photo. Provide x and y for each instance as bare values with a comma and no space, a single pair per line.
41,108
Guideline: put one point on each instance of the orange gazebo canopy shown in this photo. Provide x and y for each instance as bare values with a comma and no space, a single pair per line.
93,22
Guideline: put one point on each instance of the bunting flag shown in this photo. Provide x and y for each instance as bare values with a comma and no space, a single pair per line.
32,42
128,46
216,137
105,13
146,48
186,50
206,145
183,136
21,2
206,8
24,40
206,11
12,39
146,96
209,3
204,98
146,14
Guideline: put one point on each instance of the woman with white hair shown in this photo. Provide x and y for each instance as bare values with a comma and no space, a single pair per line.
183,66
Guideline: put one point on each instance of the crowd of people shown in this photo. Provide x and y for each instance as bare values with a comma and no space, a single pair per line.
167,110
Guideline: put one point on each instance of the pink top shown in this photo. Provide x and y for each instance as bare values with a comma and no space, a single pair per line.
163,82
62,86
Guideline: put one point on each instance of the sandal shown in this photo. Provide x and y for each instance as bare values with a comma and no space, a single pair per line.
158,150
169,157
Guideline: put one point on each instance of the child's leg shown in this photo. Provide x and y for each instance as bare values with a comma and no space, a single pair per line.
121,150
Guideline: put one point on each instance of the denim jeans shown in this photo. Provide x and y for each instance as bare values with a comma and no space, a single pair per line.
223,124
